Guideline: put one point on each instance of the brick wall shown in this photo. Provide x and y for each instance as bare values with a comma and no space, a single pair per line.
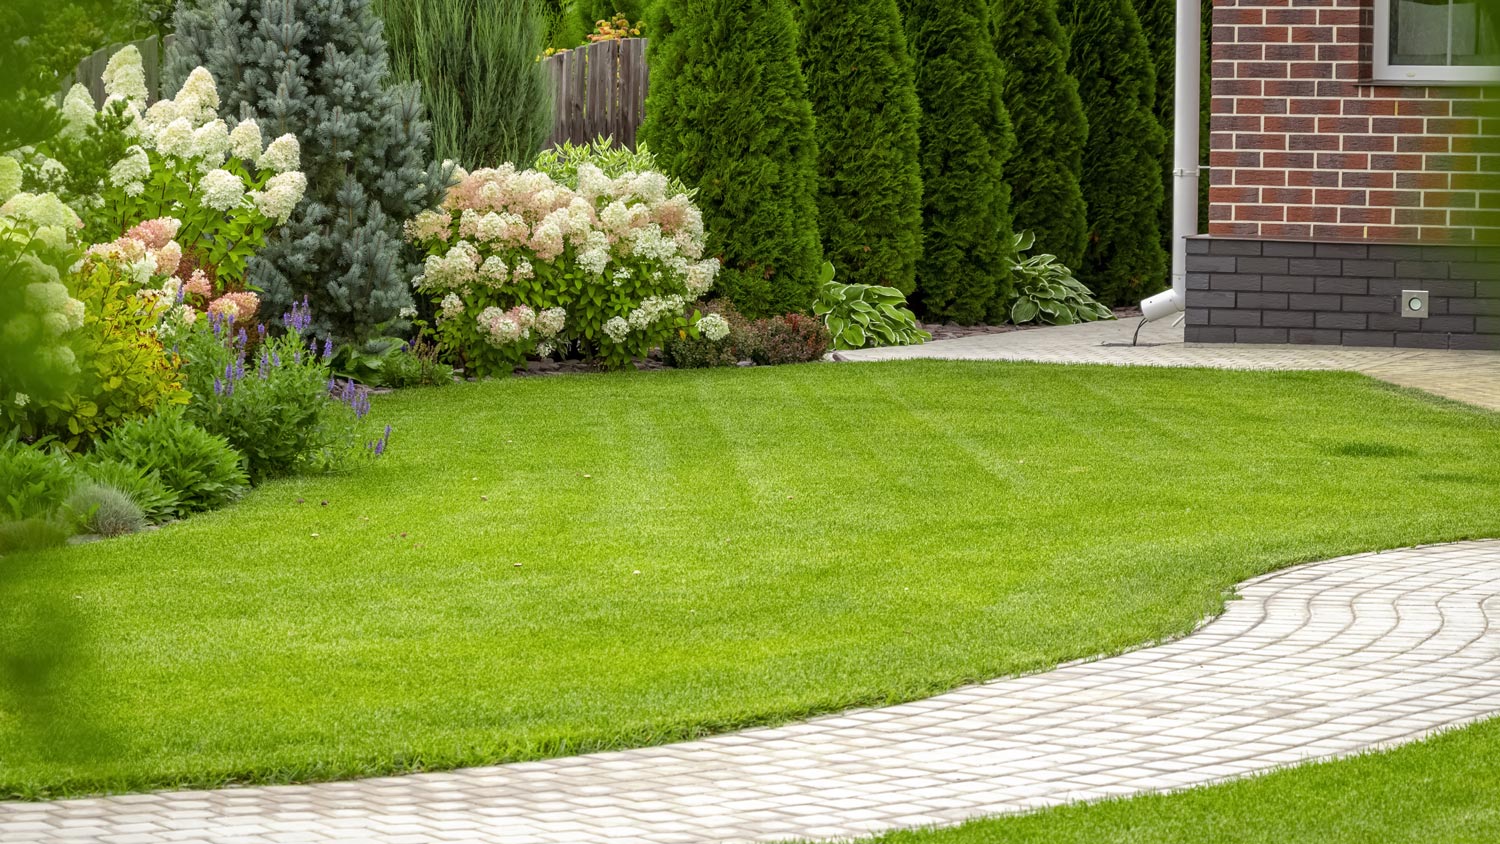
1267,291
1301,148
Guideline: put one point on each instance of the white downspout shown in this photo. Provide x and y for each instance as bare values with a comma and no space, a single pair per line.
1186,112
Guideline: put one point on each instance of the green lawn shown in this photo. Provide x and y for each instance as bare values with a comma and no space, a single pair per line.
552,566
1442,791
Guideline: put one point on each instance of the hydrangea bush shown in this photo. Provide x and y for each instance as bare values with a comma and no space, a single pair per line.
224,188
522,263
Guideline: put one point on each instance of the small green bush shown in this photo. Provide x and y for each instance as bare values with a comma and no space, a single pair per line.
794,338
104,510
1046,290
32,535
201,469
416,365
143,486
34,482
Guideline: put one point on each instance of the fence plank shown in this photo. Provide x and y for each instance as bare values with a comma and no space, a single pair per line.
598,90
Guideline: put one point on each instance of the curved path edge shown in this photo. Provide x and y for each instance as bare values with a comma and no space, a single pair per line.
1313,662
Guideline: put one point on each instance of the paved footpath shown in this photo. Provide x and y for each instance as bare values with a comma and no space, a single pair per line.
1312,662
1472,377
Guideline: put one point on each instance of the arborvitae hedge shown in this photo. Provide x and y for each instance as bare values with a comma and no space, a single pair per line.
728,112
864,98
1159,24
1122,186
966,140
1042,98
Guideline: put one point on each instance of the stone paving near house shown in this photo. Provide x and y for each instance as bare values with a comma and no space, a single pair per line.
1313,662
1472,377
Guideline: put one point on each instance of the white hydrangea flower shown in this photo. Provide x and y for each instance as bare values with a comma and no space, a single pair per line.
125,76
10,177
494,269
617,329
523,270
176,139
77,111
244,141
594,261
198,99
451,306
41,210
159,115
700,276
222,190
211,143
283,192
549,322
714,327
282,155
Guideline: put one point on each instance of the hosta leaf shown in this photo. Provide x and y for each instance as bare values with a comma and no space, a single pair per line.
853,337
1023,311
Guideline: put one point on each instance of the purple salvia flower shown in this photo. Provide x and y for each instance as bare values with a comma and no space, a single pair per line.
218,386
328,349
243,337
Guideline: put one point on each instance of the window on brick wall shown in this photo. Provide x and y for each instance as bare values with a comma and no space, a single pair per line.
1437,40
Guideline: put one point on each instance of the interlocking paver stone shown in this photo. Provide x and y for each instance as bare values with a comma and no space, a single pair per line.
1317,661
1470,376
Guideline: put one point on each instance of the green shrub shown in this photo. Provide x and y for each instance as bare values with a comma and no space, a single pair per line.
861,316
275,407
38,316
487,96
201,469
686,351
32,535
142,486
417,365
966,141
34,482
104,510
1122,180
1046,291
864,98
124,371
728,112
1042,99
793,338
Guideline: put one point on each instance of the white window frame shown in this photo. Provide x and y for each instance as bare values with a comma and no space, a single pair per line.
1384,71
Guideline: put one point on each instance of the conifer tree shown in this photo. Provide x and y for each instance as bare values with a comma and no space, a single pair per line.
1159,25
864,96
1124,260
317,69
966,140
728,113
1042,98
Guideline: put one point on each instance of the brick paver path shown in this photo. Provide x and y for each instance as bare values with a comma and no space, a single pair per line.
1313,662
1473,377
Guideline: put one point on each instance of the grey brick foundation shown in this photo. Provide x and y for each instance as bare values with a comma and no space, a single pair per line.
1270,291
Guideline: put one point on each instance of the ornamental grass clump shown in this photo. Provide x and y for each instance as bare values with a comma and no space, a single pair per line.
520,264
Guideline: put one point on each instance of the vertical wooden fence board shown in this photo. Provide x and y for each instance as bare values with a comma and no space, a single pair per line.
90,71
598,90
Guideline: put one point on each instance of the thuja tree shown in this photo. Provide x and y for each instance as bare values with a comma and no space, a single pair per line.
1159,25
317,69
966,138
864,97
1046,197
1122,188
485,94
728,113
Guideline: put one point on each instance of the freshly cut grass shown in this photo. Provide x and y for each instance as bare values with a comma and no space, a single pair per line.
1441,791
552,566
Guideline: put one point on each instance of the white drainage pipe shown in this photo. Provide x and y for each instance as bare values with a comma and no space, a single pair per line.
1186,113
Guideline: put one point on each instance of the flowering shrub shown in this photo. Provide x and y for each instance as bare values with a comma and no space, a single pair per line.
37,313
274,401
519,263
225,189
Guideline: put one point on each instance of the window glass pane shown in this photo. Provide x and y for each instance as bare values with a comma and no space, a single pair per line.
1419,31
1476,36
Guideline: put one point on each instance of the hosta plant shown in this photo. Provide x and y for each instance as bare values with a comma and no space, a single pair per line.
860,316
1046,290
520,263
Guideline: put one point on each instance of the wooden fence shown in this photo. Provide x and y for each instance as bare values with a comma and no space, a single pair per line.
599,89
90,72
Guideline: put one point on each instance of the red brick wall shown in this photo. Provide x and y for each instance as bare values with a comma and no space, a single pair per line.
1301,149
